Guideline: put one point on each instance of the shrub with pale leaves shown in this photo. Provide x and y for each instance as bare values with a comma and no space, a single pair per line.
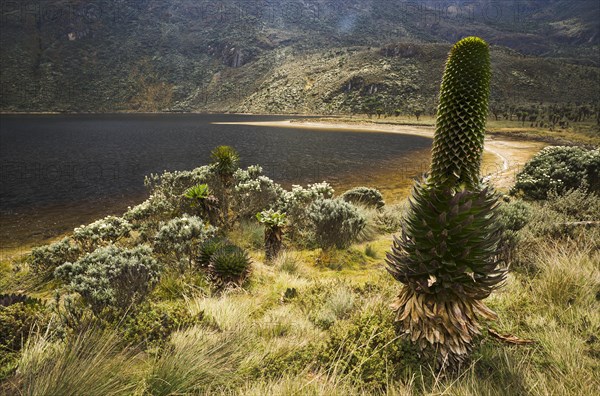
45,259
336,223
294,204
254,192
182,236
112,277
101,232
559,169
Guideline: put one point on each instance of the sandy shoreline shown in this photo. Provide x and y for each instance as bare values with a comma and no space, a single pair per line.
509,155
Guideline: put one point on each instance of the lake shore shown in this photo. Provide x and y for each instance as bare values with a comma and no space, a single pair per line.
506,156
502,160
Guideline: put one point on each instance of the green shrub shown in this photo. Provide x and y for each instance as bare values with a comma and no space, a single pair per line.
579,204
559,169
512,216
16,322
19,316
45,259
366,196
230,265
152,325
367,350
336,223
112,277
181,236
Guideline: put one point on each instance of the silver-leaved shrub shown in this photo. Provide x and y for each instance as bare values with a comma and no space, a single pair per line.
295,203
45,259
112,277
336,223
101,232
254,192
559,169
180,238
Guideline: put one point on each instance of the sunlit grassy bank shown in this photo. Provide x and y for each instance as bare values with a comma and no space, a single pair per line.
312,321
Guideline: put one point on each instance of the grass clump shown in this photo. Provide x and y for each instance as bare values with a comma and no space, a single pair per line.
196,361
91,361
367,350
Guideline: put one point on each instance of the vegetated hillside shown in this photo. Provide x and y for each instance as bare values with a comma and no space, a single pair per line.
290,56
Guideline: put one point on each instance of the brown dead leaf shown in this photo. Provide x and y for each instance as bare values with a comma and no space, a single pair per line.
509,338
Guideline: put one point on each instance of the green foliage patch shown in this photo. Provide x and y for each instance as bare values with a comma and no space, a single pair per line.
559,169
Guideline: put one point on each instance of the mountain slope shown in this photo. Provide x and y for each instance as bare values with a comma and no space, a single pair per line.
185,55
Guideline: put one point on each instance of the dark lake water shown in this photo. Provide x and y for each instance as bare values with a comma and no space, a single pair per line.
57,171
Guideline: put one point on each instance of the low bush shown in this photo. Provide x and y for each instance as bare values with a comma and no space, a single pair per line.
101,232
367,196
181,237
559,169
112,277
254,192
512,216
579,204
153,324
336,223
43,260
16,322
367,350
294,203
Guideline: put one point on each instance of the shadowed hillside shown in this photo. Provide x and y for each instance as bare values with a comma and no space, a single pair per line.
290,56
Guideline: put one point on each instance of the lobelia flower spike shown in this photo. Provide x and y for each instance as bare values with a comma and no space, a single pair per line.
448,255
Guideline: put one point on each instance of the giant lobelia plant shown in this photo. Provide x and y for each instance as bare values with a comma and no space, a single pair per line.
448,255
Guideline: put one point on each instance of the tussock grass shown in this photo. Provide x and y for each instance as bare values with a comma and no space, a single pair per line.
288,262
248,234
196,361
91,360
